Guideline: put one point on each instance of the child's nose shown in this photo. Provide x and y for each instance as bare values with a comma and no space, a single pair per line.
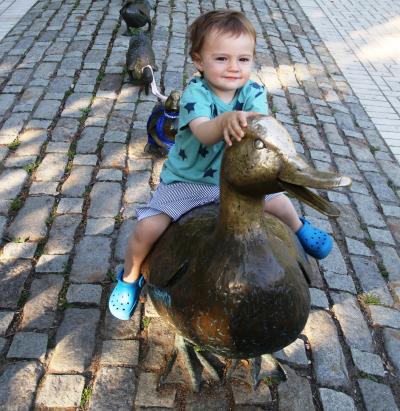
233,65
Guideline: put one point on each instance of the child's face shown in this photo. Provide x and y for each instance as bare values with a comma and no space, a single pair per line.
226,62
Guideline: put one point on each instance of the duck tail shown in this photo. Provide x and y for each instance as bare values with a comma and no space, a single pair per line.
147,75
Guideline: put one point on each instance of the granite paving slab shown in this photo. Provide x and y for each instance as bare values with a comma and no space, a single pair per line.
105,200
114,387
11,182
148,396
60,391
12,279
377,396
31,220
91,262
76,183
6,318
392,345
52,167
61,237
335,400
84,293
120,353
77,330
14,251
28,345
40,309
295,393
329,363
18,383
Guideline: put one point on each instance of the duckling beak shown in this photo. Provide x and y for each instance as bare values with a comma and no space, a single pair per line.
296,175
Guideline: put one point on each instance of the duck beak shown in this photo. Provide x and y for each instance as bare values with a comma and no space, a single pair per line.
296,175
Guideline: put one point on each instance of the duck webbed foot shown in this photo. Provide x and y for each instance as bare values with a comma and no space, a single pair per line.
200,365
259,369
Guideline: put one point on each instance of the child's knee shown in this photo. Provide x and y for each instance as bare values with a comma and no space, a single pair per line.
150,228
277,203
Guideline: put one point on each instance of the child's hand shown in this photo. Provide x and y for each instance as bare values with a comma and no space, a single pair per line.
233,123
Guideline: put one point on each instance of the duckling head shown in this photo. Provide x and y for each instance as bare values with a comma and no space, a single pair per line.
172,102
265,161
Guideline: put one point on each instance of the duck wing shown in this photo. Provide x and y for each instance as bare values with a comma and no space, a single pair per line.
178,246
286,247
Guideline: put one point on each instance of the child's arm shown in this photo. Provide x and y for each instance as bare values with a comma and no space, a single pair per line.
226,126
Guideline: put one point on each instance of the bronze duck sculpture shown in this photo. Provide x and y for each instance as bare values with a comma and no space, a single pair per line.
233,279
140,61
162,125
136,14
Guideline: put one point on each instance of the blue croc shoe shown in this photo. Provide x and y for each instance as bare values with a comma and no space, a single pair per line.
125,297
315,242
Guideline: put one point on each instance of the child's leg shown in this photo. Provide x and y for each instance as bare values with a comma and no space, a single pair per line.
315,242
281,207
125,296
145,234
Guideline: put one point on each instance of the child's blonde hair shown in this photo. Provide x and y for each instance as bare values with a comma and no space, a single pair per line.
222,21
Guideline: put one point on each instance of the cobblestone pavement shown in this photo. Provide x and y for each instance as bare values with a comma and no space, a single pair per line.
11,12
364,37
72,170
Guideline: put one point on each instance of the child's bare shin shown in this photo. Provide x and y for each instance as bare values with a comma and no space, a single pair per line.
145,234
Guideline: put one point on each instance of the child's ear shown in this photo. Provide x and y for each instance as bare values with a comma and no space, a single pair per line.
197,61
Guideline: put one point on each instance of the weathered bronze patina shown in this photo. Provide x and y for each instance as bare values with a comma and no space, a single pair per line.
162,125
234,279
135,13
140,54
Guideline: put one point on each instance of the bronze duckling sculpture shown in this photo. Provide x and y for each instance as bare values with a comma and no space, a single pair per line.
233,279
139,57
136,14
162,125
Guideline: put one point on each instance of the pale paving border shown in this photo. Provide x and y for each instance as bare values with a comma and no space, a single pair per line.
11,11
364,42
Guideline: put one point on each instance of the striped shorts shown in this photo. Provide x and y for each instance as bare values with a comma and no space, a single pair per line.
176,199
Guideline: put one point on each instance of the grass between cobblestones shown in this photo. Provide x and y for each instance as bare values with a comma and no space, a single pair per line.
16,204
14,145
30,168
86,394
111,276
145,322
370,299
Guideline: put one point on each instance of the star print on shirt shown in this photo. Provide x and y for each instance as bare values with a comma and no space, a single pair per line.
182,154
190,107
214,111
255,85
209,173
203,150
238,106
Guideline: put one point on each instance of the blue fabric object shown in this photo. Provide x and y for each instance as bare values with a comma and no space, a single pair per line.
125,297
315,242
189,161
160,127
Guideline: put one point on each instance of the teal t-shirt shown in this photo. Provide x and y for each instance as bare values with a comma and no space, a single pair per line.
189,160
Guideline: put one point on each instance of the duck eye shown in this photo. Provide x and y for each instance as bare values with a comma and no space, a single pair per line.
259,144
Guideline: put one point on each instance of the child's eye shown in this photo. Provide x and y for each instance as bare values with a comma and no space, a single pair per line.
221,58
244,59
